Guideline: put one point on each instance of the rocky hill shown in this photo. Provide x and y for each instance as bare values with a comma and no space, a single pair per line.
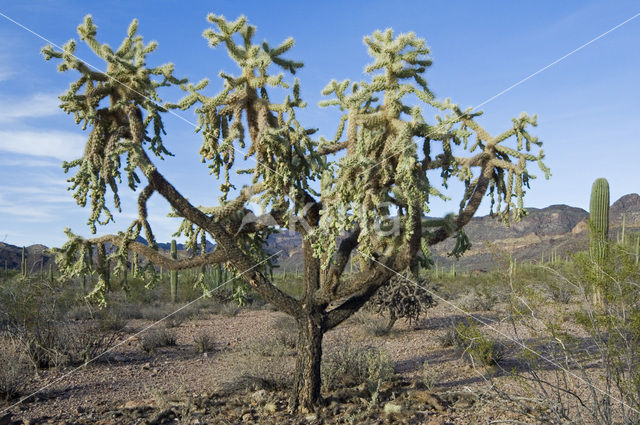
559,229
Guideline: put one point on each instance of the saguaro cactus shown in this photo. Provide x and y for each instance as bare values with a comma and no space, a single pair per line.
599,230
174,273
23,264
599,220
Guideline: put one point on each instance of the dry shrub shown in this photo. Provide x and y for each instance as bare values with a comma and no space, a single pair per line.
14,371
352,365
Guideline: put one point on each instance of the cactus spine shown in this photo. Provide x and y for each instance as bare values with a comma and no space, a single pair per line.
174,273
599,220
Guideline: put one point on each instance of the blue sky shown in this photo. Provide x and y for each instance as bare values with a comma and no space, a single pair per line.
587,104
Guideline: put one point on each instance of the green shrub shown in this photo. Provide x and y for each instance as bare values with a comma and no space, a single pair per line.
477,347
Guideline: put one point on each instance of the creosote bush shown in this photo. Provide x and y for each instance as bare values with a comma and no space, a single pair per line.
351,365
156,338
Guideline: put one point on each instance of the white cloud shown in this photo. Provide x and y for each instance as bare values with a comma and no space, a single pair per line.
62,145
37,105
28,163
27,212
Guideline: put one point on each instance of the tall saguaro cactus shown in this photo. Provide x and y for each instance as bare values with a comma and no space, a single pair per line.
599,229
174,273
23,264
599,219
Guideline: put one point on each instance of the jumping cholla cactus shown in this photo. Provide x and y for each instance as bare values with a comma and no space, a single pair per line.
383,160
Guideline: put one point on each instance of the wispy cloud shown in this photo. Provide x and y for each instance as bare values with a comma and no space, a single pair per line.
21,212
34,106
63,145
28,163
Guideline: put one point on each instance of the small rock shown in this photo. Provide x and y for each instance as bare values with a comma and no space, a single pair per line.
390,408
260,395
311,417
147,366
247,417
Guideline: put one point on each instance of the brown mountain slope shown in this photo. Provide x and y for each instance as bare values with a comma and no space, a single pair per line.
559,228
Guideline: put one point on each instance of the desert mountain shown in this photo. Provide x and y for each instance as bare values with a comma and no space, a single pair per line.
559,229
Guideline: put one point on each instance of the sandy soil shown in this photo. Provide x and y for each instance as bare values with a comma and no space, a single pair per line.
178,385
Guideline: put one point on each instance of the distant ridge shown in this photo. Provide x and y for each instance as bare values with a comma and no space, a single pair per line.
557,227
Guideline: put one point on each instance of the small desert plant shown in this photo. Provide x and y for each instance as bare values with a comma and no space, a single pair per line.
265,360
353,365
203,342
377,326
450,337
560,292
286,332
429,375
229,308
477,347
156,338
82,342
